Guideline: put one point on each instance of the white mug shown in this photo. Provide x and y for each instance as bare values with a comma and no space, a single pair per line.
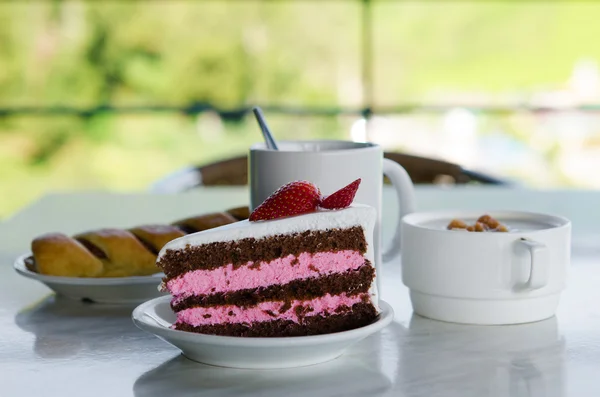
331,165
486,278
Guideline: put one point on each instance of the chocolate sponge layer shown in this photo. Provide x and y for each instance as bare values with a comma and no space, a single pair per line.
240,252
359,315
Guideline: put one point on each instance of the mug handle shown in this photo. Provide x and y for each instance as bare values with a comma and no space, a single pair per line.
538,265
406,198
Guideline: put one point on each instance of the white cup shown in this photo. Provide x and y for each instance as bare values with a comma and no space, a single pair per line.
332,165
485,278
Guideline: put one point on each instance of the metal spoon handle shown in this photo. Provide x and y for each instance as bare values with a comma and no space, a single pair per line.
270,141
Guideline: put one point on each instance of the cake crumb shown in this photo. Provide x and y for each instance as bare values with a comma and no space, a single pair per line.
285,307
270,313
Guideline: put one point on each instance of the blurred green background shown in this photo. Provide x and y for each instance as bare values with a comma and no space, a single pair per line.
438,68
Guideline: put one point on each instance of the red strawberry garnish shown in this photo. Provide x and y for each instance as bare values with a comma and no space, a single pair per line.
342,198
294,198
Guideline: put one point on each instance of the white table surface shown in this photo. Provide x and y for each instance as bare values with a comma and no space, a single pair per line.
55,347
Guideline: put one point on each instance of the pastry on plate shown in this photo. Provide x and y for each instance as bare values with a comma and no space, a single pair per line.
60,255
114,252
239,213
200,223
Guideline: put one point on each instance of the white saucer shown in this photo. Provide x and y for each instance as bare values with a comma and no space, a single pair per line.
156,317
120,290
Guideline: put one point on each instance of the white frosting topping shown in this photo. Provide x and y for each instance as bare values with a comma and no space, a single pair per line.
355,215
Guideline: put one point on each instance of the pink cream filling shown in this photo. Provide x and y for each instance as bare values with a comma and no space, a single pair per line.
265,311
277,271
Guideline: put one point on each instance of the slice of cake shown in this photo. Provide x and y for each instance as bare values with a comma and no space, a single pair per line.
293,269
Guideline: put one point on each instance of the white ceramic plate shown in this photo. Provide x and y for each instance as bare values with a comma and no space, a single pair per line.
156,317
113,290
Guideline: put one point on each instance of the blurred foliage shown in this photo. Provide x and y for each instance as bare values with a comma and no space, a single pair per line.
232,53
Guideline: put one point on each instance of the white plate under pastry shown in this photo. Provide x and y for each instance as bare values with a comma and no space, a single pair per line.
113,290
156,317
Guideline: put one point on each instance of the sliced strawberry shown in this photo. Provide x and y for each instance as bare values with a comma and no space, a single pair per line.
294,198
342,198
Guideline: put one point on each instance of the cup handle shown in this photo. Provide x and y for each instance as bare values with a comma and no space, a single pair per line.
538,265
406,198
